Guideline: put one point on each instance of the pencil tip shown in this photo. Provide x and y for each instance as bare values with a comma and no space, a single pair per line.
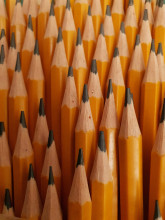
23,120
59,38
145,16
85,97
50,138
122,27
110,88
101,142
70,71
18,63
18,1
31,173
41,108
94,67
108,10
7,201
128,97
79,42
36,48
51,13
51,178
2,55
130,3
89,10
137,42
30,25
80,159
102,29
116,52
2,33
160,50
160,3
12,42
68,4
153,46
2,128
147,1
162,119
157,210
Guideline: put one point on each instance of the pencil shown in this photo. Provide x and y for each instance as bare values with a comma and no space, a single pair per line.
33,11
138,8
59,70
160,59
7,207
69,32
149,116
10,8
145,37
23,156
4,90
156,9
18,25
131,26
102,59
49,44
80,12
39,143
109,33
97,15
69,114
17,101
32,207
79,202
35,88
89,39
110,126
52,208
117,16
157,168
5,165
148,6
27,49
12,57
79,66
124,54
153,4
59,11
116,75
135,75
95,95
42,20
51,159
157,214
3,41
25,8
104,4
85,133
4,21
130,146
101,183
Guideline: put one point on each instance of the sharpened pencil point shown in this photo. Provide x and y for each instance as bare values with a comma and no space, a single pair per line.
101,142
153,46
51,13
80,159
94,67
102,29
85,96
79,42
108,10
89,10
145,16
2,128
50,138
157,210
70,71
23,120
59,38
17,1
7,201
51,178
31,173
160,50
36,48
12,42
41,108
122,27
110,88
68,4
128,97
130,3
30,25
147,1
162,119
2,33
116,52
18,63
137,42
2,55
